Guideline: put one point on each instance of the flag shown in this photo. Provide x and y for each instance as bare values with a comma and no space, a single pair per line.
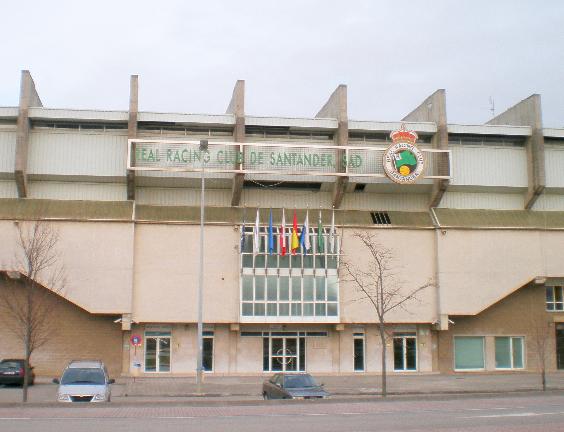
332,233
282,234
256,237
304,237
243,230
295,243
270,235
320,241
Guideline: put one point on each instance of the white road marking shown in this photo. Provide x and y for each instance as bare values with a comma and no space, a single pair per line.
494,408
525,414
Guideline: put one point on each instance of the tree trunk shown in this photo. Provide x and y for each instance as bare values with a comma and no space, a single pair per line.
543,378
26,368
383,341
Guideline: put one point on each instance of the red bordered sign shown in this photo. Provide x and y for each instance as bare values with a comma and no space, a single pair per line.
136,340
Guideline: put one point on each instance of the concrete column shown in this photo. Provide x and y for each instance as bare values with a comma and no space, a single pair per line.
28,98
237,108
433,109
336,107
132,128
528,113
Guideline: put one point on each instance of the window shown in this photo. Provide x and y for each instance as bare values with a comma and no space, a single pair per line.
358,339
405,352
509,353
380,218
554,298
469,352
207,354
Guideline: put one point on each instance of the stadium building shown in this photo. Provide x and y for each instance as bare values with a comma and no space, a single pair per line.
476,211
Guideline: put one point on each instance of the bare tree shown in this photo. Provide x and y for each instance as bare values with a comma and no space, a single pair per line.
378,283
541,332
27,306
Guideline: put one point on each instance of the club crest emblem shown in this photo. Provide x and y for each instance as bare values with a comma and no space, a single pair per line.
403,161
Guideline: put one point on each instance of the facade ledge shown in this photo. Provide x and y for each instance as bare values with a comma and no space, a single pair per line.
489,130
374,126
207,119
68,114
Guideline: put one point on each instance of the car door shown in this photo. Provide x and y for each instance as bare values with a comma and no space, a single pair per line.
279,387
269,387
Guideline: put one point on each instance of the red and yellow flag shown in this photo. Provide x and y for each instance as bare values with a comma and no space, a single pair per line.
295,243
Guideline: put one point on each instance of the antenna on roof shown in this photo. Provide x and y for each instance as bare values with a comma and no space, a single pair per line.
492,106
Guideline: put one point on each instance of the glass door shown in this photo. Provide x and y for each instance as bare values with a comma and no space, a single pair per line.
287,354
405,352
157,352
560,345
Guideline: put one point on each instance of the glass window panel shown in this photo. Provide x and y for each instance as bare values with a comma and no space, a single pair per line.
208,354
259,309
284,282
398,354
308,261
296,309
247,309
283,309
517,352
259,287
277,346
549,294
332,309
332,288
319,261
271,309
265,354
359,354
550,306
308,309
296,288
272,289
247,288
411,353
296,261
469,352
248,245
502,353
308,288
151,355
332,261
559,306
164,355
260,261
284,261
272,261
302,354
248,260
320,309
319,288
558,294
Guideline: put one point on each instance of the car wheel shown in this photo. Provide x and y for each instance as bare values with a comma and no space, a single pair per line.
265,396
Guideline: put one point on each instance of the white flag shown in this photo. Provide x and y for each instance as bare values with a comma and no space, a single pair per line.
332,233
283,236
307,244
256,237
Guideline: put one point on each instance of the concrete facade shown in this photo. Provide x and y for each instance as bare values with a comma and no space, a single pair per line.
486,239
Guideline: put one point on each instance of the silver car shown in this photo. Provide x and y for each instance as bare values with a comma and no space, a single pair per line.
84,381
293,386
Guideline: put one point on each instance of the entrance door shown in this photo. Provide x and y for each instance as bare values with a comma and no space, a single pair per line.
560,346
157,352
359,353
285,354
405,352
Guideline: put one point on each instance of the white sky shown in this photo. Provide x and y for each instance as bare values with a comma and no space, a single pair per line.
292,55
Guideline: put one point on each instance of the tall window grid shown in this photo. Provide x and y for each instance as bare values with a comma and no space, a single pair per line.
293,286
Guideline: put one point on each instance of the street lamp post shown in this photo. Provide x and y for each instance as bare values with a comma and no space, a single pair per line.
199,363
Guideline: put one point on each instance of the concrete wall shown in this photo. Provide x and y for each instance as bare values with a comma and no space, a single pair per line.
516,315
75,334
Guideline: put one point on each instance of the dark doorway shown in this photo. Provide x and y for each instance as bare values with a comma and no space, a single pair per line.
560,346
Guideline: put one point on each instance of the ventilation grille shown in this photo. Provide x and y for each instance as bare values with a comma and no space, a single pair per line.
380,218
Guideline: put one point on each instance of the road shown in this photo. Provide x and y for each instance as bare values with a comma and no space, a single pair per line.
516,413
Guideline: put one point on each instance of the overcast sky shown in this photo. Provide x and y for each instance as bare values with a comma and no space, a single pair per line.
292,55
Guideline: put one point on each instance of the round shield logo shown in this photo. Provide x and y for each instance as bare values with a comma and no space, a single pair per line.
403,161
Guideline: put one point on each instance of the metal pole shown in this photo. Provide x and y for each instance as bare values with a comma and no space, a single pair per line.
199,363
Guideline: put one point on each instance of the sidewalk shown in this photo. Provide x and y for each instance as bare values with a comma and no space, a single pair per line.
248,388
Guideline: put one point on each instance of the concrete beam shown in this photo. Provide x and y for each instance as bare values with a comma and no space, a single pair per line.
132,128
528,113
28,98
433,109
336,107
237,108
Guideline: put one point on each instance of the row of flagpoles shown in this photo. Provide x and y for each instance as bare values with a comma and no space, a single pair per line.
290,240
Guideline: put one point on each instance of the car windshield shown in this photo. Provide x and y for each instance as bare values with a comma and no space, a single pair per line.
83,376
299,381
9,365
